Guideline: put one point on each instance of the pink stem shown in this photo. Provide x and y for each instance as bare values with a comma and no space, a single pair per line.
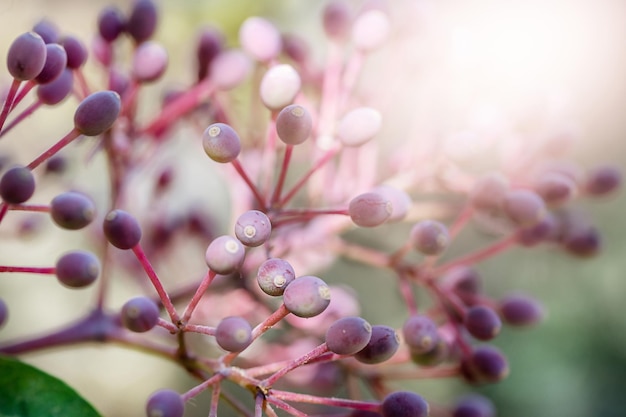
167,326
255,191
82,82
204,284
156,282
286,407
22,93
28,269
41,208
302,360
282,176
8,102
215,400
196,328
200,388
73,134
330,401
23,115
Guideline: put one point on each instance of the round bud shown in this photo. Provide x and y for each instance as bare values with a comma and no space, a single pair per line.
253,228
121,229
140,314
76,51
229,69
358,126
306,296
48,31
56,60
233,334
420,333
429,237
225,254
77,269
473,405
370,30
336,19
348,335
274,275
221,143
400,201
165,403
142,21
279,86
523,207
369,209
383,344
111,23
294,124
72,210
404,404
17,185
555,188
149,62
97,112
603,180
26,56
482,322
260,39
56,91
520,310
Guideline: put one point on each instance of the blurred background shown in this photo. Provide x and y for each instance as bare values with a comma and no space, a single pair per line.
514,70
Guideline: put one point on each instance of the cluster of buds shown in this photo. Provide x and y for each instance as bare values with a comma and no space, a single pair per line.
303,168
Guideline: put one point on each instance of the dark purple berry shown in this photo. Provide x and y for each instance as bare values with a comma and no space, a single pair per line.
486,364
121,229
307,296
210,44
482,322
56,60
76,51
383,344
225,254
140,314
348,335
4,312
17,185
77,269
555,188
296,48
404,404
111,23
274,275
473,405
420,333
253,228
26,56
429,237
294,124
233,334
603,180
546,229
582,240
369,209
165,403
336,19
72,210
520,310
57,164
221,143
48,31
465,282
56,91
97,113
143,19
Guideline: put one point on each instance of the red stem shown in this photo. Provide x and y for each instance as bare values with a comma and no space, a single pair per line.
302,360
282,176
73,134
28,269
255,191
23,115
41,208
330,401
206,281
8,102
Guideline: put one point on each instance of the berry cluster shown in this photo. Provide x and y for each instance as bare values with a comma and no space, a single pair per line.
299,177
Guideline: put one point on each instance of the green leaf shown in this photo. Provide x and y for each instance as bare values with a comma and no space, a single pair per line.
26,391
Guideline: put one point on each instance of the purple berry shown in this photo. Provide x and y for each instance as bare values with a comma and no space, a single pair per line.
524,207
221,143
520,310
337,18
369,209
348,335
420,333
210,44
482,322
488,192
56,91
17,185
143,19
165,403
429,237
404,404
149,62
76,51
4,312
465,282
546,229
233,334
140,314
253,228
383,344
486,364
225,254
307,296
111,23
603,180
294,124
555,188
26,56
72,210
473,405
97,113
77,269
56,60
121,229
274,275
48,31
